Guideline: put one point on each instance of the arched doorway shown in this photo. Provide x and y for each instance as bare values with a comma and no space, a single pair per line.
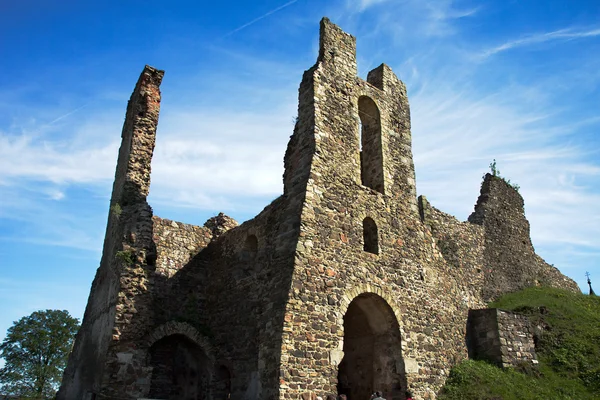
179,369
372,350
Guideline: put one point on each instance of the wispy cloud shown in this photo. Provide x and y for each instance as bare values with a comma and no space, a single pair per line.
255,20
411,18
562,34
55,120
27,156
194,167
364,4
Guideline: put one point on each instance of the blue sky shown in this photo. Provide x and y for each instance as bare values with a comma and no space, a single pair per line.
518,81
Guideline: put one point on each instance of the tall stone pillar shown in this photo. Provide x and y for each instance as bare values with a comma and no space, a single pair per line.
117,308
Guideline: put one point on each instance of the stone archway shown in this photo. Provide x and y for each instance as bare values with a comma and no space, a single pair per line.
180,369
372,350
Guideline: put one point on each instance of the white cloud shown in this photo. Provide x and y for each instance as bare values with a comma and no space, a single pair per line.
55,194
562,34
29,157
221,153
414,20
364,4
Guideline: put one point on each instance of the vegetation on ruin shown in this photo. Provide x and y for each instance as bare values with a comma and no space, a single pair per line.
116,210
496,173
125,256
568,350
35,353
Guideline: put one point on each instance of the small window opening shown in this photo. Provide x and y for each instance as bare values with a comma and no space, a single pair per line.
370,237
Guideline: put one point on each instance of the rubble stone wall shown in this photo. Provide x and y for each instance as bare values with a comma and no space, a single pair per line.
501,337
461,244
176,244
119,293
510,261
516,339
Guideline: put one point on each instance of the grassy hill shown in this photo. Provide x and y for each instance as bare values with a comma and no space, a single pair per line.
567,345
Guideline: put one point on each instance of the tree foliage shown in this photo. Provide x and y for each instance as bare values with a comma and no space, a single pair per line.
35,352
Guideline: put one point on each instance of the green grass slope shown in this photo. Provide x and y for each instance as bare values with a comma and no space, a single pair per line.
567,345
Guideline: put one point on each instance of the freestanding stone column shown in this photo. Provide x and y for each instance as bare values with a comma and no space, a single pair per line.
117,305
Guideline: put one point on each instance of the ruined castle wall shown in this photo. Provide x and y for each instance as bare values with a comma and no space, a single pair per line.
516,339
510,262
127,245
409,273
228,299
343,283
460,243
176,244
245,299
500,337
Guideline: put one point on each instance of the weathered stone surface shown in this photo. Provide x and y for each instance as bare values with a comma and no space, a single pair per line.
120,304
500,337
220,224
345,283
509,258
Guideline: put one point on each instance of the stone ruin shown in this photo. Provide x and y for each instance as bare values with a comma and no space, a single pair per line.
346,283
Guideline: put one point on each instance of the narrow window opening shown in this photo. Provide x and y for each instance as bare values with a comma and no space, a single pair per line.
371,155
370,236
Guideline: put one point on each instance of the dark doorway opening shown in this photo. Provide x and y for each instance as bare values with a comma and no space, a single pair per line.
222,387
179,370
372,351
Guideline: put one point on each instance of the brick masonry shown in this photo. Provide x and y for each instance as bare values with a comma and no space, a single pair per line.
345,283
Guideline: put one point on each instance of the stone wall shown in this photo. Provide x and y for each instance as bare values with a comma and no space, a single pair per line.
510,261
176,244
408,276
119,290
501,337
461,244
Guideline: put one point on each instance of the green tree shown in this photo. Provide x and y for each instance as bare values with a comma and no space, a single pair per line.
35,352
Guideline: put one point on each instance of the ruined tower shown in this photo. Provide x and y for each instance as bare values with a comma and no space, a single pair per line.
343,284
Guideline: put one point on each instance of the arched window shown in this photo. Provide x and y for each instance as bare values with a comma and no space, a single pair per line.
371,155
370,238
